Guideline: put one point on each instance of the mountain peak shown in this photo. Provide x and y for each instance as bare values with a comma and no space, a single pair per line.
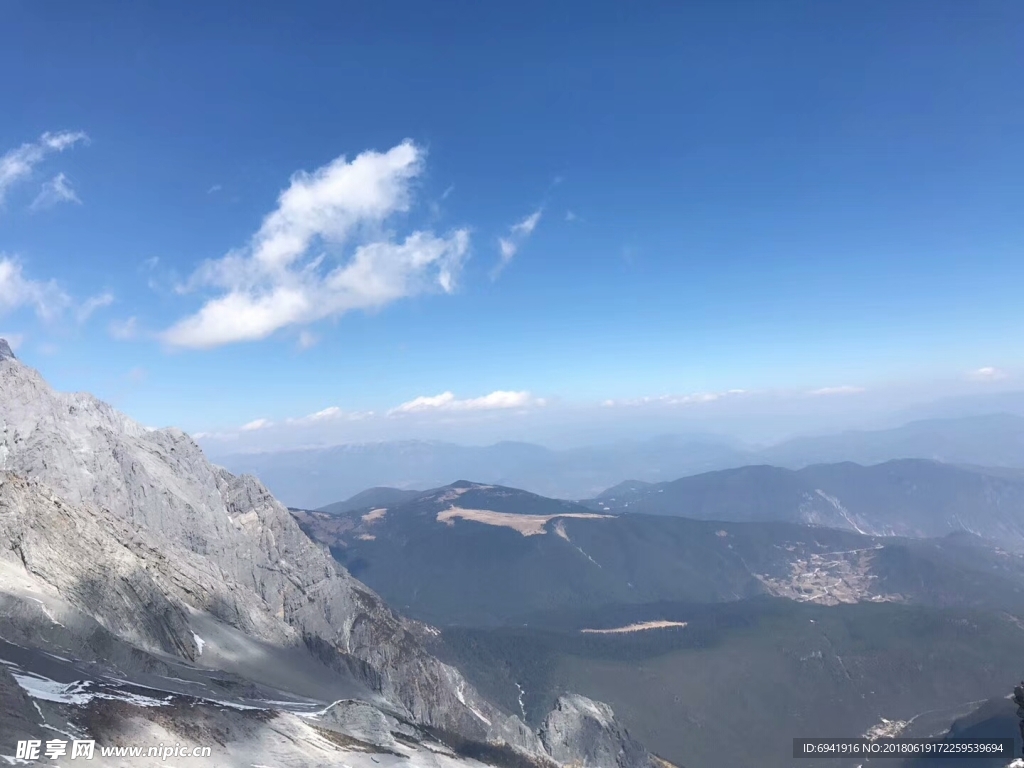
6,353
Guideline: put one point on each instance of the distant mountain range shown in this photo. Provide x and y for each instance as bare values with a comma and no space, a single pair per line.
907,497
995,440
689,627
311,478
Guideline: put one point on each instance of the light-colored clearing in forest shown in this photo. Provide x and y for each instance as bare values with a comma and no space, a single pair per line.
528,525
638,627
375,514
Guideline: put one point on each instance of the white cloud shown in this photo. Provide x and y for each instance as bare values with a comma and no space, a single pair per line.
93,303
509,246
214,188
845,389
57,190
988,373
326,416
215,436
124,330
446,401
332,412
18,164
570,216
17,291
525,227
287,274
307,340
256,424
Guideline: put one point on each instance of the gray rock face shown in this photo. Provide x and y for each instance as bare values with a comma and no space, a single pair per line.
581,732
137,529
98,563
367,723
17,716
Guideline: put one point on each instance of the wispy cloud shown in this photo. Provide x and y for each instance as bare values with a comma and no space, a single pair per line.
327,415
56,190
446,401
90,305
332,413
124,330
160,278
988,373
214,188
509,245
307,339
570,216
17,291
845,389
689,399
256,424
18,164
284,277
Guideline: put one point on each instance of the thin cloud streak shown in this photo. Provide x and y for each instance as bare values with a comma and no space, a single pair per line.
988,373
509,245
447,401
672,400
57,190
90,305
256,424
845,389
18,164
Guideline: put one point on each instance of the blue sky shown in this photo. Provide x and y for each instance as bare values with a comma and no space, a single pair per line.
250,213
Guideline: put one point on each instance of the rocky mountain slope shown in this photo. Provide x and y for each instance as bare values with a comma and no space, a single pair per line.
151,549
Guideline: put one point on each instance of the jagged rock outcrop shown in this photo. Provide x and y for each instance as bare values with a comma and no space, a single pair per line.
581,732
135,527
